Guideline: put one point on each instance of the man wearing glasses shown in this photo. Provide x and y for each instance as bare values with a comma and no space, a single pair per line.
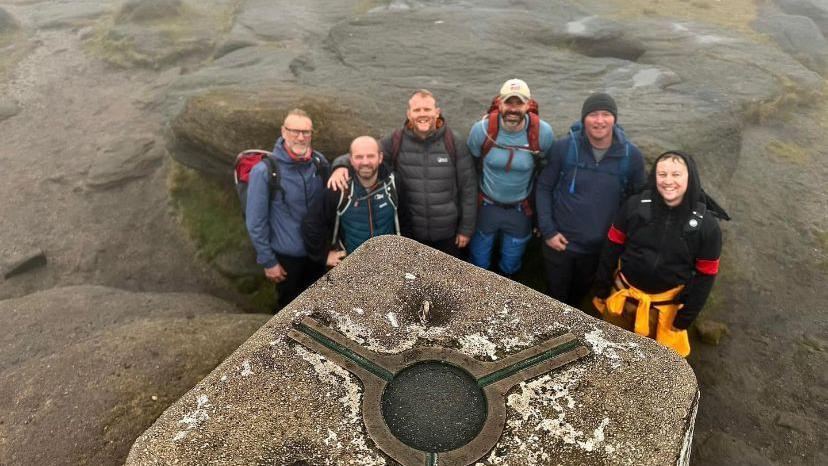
276,208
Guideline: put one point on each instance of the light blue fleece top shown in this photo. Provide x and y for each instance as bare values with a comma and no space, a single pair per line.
275,226
496,183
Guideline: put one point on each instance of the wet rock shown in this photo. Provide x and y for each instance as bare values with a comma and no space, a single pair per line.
22,262
651,66
54,15
268,20
161,33
595,37
278,402
8,109
795,422
237,264
140,11
800,37
215,126
723,448
7,22
125,160
814,342
85,369
711,331
817,10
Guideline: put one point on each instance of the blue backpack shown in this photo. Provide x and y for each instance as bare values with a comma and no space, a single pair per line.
572,163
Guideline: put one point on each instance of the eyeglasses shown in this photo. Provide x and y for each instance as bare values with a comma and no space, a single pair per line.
296,132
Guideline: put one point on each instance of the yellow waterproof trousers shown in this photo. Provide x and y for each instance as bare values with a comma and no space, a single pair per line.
650,315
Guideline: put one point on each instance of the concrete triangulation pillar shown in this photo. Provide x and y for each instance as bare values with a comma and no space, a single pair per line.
402,354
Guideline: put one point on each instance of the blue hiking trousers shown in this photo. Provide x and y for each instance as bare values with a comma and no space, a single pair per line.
511,226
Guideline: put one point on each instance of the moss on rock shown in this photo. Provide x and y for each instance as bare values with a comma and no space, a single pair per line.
789,152
160,33
211,215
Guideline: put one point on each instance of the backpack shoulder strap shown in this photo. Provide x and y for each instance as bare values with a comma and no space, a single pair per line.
533,133
391,191
274,184
396,143
448,142
571,160
693,233
624,169
345,197
322,169
492,128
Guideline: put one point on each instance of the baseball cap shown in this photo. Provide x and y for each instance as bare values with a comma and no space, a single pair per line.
515,87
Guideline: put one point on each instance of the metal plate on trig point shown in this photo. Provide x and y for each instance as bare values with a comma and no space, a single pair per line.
431,402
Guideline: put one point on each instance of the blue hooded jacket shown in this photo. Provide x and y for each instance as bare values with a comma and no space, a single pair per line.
275,225
583,209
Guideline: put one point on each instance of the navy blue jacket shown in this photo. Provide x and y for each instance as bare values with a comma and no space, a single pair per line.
275,225
583,211
363,217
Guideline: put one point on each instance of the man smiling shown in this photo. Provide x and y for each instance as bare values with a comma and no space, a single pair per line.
274,213
510,143
340,221
588,176
436,177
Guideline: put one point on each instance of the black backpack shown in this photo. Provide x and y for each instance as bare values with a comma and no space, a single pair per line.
396,143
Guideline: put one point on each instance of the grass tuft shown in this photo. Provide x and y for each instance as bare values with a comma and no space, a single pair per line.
211,214
789,152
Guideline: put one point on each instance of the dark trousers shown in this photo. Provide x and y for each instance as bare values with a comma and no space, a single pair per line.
301,273
447,246
569,276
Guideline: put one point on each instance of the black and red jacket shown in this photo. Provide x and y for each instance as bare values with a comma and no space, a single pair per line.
662,247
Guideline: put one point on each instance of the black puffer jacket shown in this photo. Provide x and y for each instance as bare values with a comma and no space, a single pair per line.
660,247
438,192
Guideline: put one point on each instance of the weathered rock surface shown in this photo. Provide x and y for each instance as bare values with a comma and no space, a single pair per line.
817,10
8,23
125,159
141,11
54,15
215,126
8,110
631,401
83,370
21,262
159,33
720,441
651,66
710,331
800,37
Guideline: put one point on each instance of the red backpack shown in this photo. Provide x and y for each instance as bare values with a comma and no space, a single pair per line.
532,130
248,159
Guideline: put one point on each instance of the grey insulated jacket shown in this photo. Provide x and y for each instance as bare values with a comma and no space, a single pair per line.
437,193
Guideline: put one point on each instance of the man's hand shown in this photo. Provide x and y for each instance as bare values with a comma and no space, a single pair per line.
338,180
276,274
335,257
461,241
557,242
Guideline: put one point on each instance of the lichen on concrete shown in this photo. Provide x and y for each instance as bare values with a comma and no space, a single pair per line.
295,405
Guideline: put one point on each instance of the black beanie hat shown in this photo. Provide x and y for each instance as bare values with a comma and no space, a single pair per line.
599,101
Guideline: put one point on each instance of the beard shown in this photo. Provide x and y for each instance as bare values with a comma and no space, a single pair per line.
366,173
513,119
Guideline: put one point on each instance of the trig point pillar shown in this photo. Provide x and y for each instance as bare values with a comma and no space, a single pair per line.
404,355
